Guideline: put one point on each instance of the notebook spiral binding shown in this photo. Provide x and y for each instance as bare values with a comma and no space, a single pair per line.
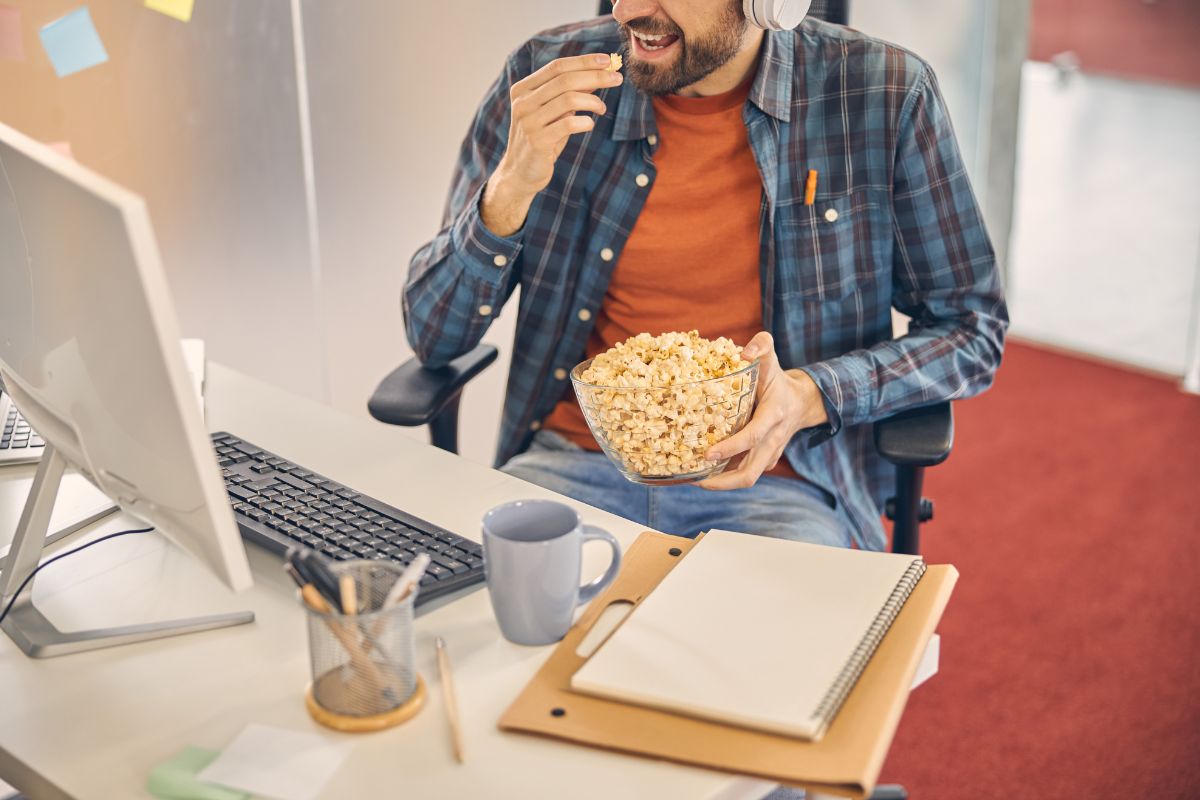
829,705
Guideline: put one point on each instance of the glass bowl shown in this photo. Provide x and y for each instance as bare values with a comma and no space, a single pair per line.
659,435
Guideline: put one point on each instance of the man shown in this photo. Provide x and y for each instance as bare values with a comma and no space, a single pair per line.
674,197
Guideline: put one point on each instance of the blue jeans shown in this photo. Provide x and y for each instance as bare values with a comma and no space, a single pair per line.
782,507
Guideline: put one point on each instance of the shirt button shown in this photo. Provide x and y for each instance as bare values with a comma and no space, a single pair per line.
485,310
831,215
584,315
560,374
535,425
642,179
500,261
606,254
652,139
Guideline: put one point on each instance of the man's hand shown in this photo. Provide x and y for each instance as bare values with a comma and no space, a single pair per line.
787,402
544,116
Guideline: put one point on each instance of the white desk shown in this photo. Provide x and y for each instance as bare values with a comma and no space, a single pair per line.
94,724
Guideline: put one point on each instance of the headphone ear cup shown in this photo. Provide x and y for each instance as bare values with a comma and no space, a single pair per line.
776,15
755,13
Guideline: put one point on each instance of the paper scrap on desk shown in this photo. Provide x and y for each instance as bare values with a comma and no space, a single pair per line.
12,46
175,778
72,43
277,763
179,9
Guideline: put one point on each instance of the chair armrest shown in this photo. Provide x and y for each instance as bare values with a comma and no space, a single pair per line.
413,394
920,437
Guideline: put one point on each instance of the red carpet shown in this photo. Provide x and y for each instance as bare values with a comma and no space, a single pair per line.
1154,41
1071,647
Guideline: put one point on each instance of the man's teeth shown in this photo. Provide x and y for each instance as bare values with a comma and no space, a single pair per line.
649,41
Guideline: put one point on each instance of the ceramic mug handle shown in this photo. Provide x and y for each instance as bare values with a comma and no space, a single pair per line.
590,533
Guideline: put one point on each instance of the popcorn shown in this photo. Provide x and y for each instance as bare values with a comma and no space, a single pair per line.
615,62
657,403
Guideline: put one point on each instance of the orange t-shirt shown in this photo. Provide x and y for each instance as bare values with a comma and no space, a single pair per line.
692,260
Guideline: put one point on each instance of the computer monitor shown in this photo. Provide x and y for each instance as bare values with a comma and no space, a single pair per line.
90,353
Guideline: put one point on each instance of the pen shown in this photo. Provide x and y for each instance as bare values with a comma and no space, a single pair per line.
313,570
408,579
451,700
810,188
349,595
312,598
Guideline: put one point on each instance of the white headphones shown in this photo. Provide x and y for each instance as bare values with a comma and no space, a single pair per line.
775,15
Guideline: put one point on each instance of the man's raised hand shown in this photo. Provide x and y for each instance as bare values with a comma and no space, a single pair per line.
548,107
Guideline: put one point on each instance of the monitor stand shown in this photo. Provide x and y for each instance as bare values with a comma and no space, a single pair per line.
29,628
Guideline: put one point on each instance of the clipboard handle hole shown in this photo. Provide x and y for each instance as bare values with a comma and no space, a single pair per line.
558,712
675,551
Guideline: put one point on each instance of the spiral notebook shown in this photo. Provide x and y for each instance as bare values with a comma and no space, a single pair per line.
756,632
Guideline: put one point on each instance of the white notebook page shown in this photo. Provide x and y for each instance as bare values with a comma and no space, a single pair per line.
747,630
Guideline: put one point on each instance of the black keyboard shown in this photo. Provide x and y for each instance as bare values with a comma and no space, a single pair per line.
15,433
280,505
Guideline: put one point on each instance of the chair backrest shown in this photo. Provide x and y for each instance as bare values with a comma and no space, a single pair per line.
828,10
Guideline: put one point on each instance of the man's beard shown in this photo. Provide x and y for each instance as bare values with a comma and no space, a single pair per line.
697,59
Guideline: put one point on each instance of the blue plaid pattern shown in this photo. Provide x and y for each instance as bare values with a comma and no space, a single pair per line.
895,223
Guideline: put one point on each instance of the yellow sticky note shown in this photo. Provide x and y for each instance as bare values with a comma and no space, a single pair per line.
179,9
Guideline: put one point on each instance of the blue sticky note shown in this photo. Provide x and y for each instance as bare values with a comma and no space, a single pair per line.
72,43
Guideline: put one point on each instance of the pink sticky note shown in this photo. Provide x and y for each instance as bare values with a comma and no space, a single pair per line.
62,148
12,47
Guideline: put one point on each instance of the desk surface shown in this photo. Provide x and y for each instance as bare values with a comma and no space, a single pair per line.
95,724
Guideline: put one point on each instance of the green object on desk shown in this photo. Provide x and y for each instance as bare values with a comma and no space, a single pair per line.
175,778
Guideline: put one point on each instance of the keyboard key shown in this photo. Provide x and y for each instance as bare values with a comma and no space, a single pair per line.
292,480
438,571
448,563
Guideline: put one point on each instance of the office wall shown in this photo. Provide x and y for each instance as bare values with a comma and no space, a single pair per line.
201,119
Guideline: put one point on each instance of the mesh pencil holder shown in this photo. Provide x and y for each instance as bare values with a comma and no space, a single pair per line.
364,675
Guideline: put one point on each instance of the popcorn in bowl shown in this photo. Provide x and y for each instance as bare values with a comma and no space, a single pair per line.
656,404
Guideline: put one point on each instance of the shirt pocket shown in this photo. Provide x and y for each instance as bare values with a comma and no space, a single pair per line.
827,250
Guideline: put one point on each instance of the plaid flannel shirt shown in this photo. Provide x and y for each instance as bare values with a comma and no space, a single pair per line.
895,223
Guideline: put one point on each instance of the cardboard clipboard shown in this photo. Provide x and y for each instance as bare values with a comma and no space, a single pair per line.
847,760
